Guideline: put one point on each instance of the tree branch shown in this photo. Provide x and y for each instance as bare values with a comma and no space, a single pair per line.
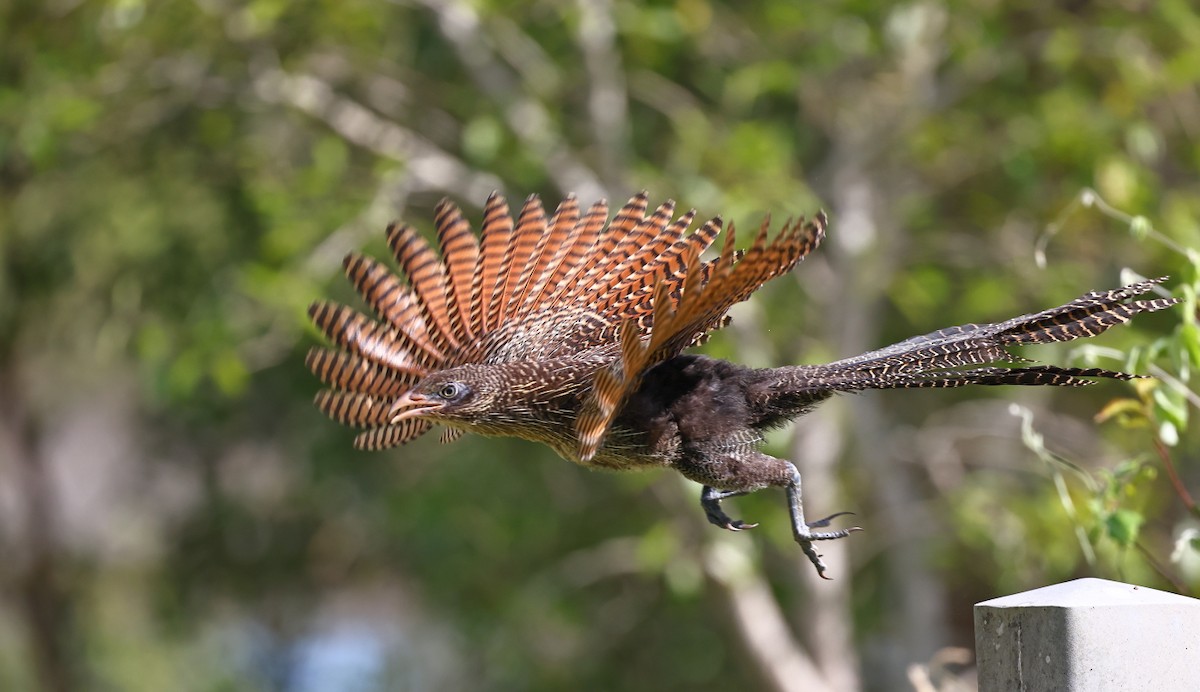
608,104
356,123
761,625
526,117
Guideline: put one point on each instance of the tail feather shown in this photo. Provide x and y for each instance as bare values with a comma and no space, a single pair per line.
1033,375
928,360
1085,316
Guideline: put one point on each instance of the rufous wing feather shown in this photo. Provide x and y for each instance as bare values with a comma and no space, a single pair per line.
706,294
531,227
460,254
427,278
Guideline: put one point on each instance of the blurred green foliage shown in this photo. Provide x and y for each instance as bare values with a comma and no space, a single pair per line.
179,179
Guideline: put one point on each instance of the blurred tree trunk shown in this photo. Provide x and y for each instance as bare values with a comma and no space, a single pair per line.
33,561
864,180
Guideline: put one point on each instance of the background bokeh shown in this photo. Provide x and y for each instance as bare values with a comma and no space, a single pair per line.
180,178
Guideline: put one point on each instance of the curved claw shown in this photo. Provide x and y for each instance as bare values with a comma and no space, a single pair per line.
716,517
822,523
710,500
814,558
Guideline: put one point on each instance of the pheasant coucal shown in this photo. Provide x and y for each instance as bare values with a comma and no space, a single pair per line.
570,331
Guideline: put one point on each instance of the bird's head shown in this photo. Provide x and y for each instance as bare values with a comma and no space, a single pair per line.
462,395
531,400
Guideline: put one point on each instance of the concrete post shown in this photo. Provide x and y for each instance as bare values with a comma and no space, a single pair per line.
1088,635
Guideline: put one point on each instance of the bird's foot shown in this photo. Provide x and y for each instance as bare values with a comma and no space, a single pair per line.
723,520
710,500
805,538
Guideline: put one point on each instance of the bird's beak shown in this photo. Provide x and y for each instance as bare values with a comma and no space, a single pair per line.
411,404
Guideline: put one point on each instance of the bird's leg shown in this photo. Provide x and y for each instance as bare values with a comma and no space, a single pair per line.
744,471
802,530
710,500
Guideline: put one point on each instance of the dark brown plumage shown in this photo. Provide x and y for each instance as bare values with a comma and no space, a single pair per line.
570,331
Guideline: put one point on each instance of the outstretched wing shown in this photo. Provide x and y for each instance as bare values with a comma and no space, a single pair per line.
684,312
528,289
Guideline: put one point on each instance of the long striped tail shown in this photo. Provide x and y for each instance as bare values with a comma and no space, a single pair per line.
937,360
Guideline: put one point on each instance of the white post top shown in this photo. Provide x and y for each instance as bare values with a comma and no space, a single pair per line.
1088,635
1090,592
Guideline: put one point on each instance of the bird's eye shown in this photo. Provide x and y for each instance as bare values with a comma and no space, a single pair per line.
450,391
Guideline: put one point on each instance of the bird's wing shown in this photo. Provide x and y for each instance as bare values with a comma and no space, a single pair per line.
528,289
684,312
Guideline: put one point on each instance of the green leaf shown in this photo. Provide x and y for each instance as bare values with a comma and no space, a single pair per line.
1170,405
1123,526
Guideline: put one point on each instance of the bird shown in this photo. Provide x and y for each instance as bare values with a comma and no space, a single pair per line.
572,330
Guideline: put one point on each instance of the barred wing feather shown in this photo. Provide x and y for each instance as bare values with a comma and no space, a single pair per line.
529,289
